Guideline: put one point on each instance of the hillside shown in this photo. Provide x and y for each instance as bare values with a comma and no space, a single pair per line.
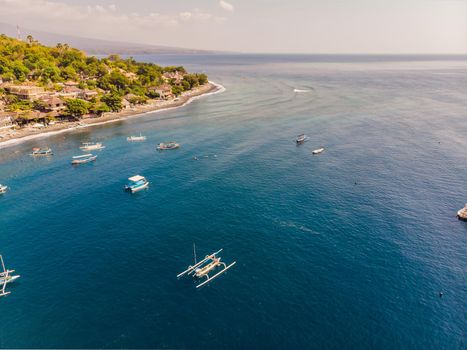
64,81
98,46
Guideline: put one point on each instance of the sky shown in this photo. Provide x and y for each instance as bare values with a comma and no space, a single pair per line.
269,26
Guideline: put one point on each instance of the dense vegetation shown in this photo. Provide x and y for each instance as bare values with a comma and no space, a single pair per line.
112,77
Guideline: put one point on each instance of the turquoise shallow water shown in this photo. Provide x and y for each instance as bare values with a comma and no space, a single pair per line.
346,250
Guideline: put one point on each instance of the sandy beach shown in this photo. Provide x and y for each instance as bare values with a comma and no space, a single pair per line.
29,133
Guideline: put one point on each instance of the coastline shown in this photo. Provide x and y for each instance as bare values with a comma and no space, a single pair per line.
184,99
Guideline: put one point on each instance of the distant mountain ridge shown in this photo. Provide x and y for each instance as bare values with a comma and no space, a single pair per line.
96,46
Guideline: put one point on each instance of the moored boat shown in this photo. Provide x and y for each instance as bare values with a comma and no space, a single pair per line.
85,158
301,139
5,278
91,146
462,213
41,152
136,183
169,145
318,151
136,138
3,189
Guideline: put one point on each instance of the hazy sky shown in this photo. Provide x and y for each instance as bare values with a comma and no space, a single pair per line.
307,26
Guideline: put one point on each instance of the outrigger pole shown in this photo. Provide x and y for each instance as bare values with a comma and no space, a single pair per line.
217,274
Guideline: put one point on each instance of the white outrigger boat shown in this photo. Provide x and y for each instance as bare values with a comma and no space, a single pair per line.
136,138
204,267
318,151
301,139
169,145
85,158
136,183
5,278
91,146
3,189
41,152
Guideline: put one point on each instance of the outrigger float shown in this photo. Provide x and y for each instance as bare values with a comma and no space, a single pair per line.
5,278
201,269
136,138
169,145
92,146
83,159
41,152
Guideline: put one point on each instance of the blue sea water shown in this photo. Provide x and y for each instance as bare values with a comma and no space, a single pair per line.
345,250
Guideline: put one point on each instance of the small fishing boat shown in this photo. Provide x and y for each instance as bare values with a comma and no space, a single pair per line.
318,151
301,139
91,146
202,269
85,158
136,138
3,189
5,278
462,214
41,152
136,183
169,145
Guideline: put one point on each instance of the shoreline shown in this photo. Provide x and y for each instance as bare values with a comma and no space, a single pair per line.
184,99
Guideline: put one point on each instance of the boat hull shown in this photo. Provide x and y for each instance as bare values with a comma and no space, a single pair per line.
9,280
318,151
84,161
138,188
91,148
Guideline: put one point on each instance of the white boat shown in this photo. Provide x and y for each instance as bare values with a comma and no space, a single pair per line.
41,152
210,264
301,139
136,138
136,183
318,151
85,158
5,278
169,145
91,146
3,189
462,214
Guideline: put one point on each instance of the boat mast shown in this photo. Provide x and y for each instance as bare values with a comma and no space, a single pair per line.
194,251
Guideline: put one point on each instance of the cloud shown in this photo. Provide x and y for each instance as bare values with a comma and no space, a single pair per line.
55,13
226,5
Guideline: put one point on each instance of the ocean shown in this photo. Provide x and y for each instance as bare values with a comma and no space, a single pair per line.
349,249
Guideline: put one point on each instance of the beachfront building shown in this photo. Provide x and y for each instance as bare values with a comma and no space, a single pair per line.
164,91
126,104
53,104
70,92
6,120
88,94
71,83
25,92
176,77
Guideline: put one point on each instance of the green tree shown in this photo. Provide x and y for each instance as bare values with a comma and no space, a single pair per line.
99,108
113,101
76,107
